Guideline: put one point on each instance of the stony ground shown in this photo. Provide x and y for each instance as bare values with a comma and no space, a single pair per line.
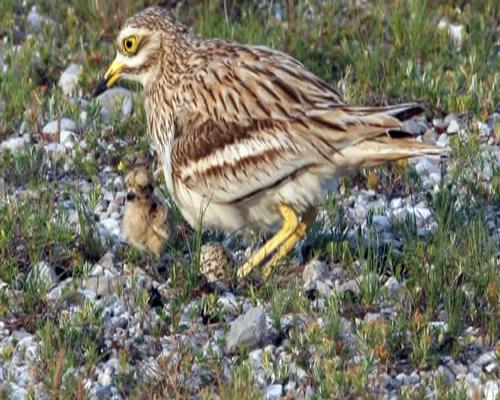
394,293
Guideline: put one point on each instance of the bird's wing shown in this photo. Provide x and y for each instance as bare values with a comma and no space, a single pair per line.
256,117
227,163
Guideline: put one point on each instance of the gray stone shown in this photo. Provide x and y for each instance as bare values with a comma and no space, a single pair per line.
55,151
414,378
69,78
101,285
402,378
430,136
247,330
455,126
315,271
103,392
443,140
228,303
381,222
43,274
255,357
485,358
67,138
440,125
449,376
458,368
13,144
371,318
34,19
55,127
274,392
351,285
17,392
116,99
392,285
414,127
111,225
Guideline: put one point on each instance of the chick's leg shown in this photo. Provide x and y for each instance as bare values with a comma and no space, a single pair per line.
290,223
289,243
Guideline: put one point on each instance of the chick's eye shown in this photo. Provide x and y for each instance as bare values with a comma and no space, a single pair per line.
130,44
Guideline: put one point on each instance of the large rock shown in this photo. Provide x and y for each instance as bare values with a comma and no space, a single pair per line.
248,330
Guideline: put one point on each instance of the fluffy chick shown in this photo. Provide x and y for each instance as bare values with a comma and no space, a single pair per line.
146,221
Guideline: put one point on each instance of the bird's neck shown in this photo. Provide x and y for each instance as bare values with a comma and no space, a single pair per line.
161,127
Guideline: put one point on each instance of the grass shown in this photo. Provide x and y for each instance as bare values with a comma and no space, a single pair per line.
388,52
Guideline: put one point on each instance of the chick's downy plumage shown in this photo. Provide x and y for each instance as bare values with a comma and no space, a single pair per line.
146,221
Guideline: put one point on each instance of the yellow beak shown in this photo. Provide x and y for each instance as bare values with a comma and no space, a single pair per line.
113,73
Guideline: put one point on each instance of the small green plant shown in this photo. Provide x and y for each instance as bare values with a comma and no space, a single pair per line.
91,243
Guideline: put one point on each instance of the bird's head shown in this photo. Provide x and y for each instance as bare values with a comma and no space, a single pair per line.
149,42
138,185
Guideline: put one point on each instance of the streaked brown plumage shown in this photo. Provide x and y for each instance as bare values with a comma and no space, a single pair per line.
247,136
147,224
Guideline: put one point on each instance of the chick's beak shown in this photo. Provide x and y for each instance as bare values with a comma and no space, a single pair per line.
112,75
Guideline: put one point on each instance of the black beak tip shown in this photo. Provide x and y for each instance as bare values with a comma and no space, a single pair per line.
100,87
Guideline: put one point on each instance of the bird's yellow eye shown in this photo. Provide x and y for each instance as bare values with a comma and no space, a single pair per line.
130,44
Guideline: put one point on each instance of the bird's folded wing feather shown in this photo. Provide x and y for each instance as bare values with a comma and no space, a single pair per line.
257,116
227,163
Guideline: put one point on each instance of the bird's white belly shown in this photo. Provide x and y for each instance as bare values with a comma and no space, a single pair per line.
259,212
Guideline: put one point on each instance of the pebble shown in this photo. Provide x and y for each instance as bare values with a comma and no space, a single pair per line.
392,285
414,127
116,98
458,368
101,286
449,376
274,392
55,151
228,302
14,144
430,136
16,392
69,79
453,127
381,222
314,272
34,19
351,286
255,357
56,126
442,141
372,318
112,226
247,330
43,274
485,358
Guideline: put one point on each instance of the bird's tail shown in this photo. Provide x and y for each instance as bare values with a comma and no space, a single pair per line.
375,143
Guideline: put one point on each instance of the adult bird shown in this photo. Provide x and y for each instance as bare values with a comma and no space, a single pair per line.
247,135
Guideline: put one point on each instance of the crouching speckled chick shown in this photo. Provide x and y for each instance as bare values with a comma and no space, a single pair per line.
147,223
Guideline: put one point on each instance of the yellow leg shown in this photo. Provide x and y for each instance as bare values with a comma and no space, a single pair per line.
290,223
289,243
